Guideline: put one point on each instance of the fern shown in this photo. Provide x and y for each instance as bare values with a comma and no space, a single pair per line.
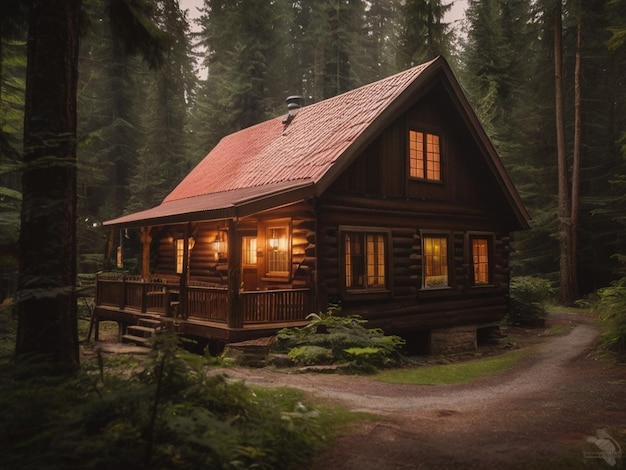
343,337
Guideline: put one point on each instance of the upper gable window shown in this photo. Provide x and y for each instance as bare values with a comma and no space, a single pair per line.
424,156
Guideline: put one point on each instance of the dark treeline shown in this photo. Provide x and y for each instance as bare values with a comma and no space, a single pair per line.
143,125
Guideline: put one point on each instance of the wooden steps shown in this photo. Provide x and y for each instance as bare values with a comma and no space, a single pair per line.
142,333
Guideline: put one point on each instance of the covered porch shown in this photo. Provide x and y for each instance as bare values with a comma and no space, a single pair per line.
197,309
226,266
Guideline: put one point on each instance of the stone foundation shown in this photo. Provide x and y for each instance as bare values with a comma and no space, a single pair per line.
453,340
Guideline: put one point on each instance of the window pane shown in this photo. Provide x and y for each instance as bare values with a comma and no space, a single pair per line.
375,261
424,156
180,253
435,262
249,250
365,260
433,171
416,154
355,260
480,260
277,250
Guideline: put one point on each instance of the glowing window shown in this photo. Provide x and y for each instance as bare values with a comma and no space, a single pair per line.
365,260
180,254
435,256
277,251
424,156
249,250
480,260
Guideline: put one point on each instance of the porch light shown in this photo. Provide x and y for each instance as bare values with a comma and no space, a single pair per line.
219,244
274,240
278,239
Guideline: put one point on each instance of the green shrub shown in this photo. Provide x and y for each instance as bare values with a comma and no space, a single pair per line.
345,338
311,355
612,310
527,296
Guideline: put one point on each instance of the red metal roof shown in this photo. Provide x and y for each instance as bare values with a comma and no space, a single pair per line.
271,163
271,152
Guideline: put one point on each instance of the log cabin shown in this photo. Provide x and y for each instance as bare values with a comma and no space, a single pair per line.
389,200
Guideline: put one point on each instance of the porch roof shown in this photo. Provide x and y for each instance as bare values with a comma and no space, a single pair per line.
225,205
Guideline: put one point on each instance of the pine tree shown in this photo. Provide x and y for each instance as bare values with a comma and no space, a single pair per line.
12,87
424,35
47,310
47,323
240,41
383,27
164,157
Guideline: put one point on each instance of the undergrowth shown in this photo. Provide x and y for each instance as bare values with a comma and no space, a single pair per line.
170,413
528,295
334,339
612,308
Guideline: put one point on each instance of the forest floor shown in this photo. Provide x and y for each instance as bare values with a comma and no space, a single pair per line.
542,413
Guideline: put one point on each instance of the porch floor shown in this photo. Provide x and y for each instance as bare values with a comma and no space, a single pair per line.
193,327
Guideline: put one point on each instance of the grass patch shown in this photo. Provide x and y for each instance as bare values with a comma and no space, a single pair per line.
555,330
334,420
582,310
461,372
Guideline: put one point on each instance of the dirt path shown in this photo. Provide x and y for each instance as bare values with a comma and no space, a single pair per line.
542,410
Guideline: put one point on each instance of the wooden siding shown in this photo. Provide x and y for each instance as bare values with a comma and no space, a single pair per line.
409,305
468,184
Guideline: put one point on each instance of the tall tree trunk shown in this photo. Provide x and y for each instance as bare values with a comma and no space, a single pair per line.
563,206
576,162
47,329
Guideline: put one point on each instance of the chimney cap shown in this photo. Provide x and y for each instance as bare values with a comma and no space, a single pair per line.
294,101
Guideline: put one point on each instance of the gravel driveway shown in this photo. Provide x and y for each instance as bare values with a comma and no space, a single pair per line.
541,414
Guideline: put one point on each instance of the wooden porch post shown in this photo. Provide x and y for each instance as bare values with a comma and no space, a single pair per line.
235,315
146,239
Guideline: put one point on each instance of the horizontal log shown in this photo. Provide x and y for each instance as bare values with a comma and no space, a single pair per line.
402,262
404,281
403,232
400,252
404,290
400,272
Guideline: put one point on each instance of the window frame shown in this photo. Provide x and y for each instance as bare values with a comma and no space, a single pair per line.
425,131
489,238
249,251
368,291
264,249
449,269
179,255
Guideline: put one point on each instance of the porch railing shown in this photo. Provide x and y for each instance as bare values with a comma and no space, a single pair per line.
275,306
204,303
207,303
132,292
